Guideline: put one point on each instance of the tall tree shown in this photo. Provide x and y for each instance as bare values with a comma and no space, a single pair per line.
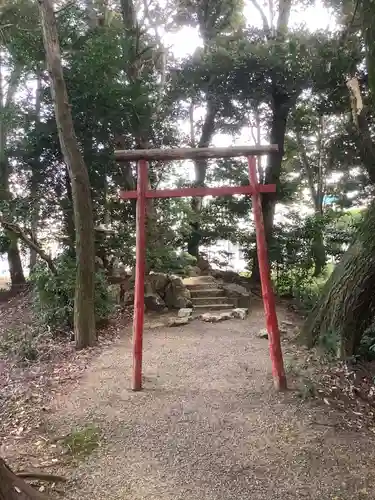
84,317
346,307
6,118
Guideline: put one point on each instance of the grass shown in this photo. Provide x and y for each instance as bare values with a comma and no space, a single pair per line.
82,442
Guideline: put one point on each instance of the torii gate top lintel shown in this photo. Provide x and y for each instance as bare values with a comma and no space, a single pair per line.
171,154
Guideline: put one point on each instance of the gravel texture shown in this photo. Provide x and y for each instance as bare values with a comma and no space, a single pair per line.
208,425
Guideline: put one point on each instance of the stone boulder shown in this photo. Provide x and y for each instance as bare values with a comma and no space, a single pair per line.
238,294
128,299
204,266
153,301
158,283
178,321
240,312
177,296
185,312
115,292
192,271
215,317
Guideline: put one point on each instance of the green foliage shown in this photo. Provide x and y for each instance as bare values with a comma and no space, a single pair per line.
82,442
54,294
166,260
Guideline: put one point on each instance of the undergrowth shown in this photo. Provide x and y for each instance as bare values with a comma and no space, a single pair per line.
82,442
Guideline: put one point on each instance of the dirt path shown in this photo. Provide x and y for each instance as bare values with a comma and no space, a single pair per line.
208,425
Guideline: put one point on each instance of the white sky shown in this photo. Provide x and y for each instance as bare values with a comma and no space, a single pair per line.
314,18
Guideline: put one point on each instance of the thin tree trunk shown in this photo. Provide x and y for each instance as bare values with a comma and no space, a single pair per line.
200,167
84,314
34,192
14,259
318,250
17,277
281,107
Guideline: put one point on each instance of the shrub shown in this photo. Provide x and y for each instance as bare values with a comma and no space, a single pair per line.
166,260
20,344
54,294
301,285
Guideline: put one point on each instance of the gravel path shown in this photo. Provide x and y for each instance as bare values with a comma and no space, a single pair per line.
208,425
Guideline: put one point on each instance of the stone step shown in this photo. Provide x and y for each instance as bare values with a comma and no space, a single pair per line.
207,281
201,286
211,307
208,300
205,292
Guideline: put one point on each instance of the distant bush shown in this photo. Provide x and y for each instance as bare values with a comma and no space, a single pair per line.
54,294
165,260
299,284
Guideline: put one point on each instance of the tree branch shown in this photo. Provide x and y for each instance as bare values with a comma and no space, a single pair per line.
30,242
266,25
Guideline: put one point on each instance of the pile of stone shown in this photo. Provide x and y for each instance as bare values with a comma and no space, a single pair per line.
162,292
185,315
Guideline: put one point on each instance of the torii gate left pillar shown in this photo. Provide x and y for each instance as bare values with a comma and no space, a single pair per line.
254,189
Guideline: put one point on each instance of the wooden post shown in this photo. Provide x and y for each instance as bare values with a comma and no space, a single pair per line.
139,292
267,291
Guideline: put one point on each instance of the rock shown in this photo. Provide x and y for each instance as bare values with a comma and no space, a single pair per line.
231,277
215,318
158,282
287,324
178,321
263,334
203,265
238,293
177,296
193,271
118,268
185,312
99,264
240,312
128,298
154,302
115,292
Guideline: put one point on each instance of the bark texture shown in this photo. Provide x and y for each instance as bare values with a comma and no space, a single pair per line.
14,259
280,111
13,487
84,316
200,167
347,305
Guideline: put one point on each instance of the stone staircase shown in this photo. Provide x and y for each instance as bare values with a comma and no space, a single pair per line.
206,295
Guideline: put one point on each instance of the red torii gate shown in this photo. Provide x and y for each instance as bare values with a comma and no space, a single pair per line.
143,156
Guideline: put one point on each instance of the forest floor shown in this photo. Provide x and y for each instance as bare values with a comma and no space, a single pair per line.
208,424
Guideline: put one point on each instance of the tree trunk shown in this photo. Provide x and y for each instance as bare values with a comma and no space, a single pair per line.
318,252
315,182
35,176
346,307
84,313
14,259
200,167
281,107
14,488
